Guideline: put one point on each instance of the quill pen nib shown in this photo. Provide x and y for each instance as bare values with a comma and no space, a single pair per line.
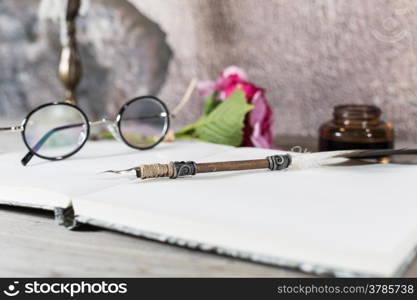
120,171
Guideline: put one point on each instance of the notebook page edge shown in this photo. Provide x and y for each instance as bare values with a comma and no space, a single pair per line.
188,234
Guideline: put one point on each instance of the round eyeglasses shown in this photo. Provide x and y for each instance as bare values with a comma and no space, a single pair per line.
58,130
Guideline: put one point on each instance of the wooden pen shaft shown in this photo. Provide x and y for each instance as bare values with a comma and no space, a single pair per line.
177,169
232,166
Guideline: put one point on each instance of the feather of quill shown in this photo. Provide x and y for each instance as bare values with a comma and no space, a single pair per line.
373,154
308,160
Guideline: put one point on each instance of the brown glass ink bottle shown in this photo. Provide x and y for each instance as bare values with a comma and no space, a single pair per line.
356,127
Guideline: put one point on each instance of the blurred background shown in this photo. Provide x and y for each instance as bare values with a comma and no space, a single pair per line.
309,56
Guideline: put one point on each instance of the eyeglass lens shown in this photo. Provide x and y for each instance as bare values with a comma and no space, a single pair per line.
55,131
144,122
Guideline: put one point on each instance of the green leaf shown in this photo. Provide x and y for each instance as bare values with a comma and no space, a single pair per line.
210,104
188,131
224,125
222,121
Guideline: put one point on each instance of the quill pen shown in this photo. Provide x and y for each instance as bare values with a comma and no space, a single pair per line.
274,163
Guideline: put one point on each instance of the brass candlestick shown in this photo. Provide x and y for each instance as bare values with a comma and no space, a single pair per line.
70,69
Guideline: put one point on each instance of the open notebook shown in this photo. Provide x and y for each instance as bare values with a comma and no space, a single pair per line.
342,220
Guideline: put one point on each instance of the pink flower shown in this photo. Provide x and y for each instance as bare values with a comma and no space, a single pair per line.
259,127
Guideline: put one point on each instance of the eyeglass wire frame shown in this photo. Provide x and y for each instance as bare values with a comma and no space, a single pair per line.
114,128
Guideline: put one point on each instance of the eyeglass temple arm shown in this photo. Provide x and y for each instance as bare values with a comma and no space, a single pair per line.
105,121
12,129
185,98
25,160
162,115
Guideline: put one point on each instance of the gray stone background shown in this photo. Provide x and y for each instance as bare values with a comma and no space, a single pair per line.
309,55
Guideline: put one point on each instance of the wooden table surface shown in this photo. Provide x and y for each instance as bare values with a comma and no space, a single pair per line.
33,245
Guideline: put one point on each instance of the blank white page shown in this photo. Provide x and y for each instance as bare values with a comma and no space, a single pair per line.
347,220
52,184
